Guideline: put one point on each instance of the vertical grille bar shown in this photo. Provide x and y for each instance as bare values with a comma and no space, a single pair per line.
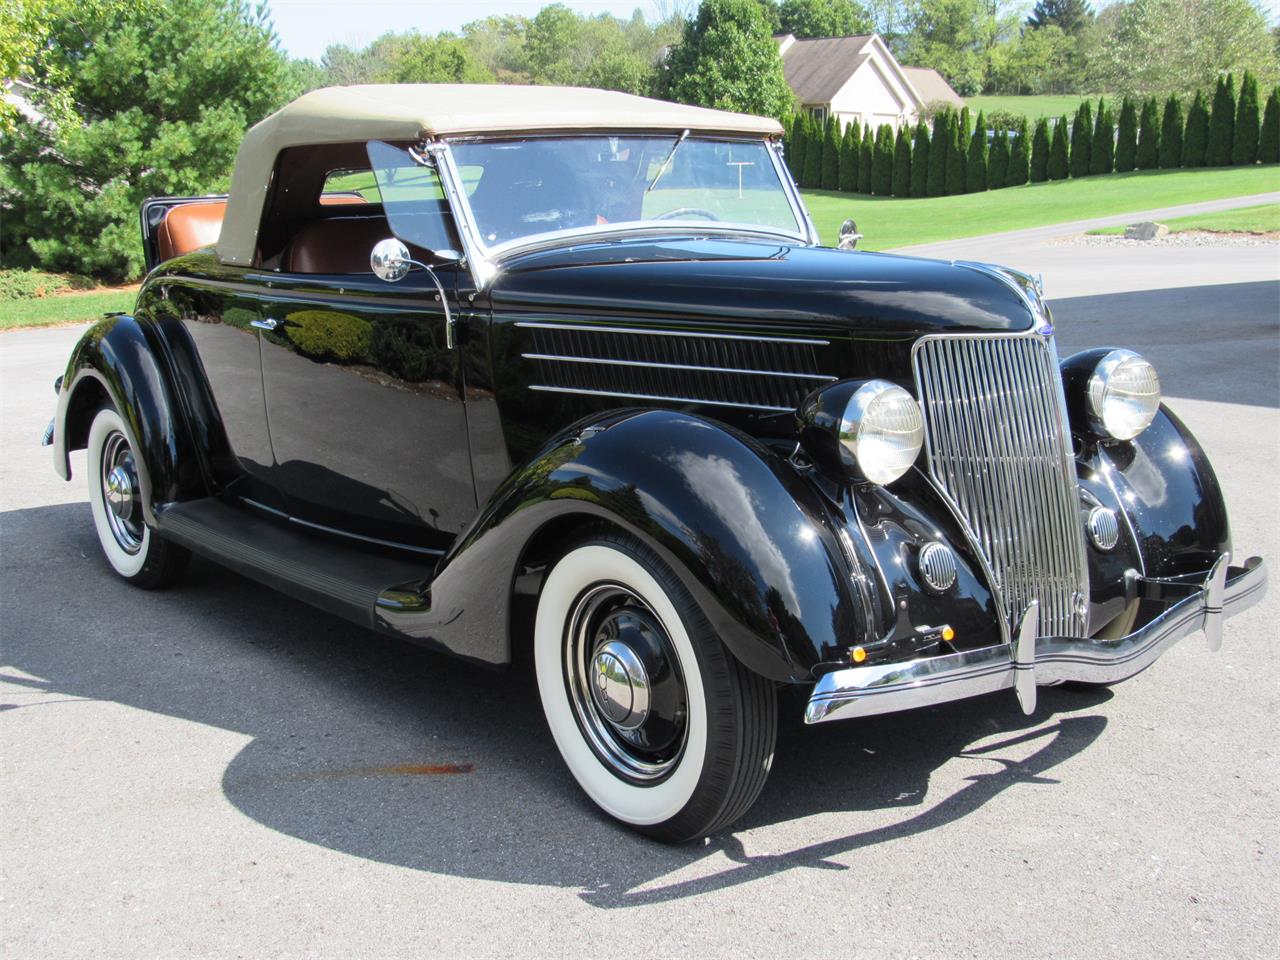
997,445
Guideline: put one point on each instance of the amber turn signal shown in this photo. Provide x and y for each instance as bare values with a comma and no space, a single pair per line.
858,655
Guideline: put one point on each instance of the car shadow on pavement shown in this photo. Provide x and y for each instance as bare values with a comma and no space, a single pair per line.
386,752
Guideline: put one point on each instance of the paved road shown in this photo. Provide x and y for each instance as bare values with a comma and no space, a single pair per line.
216,770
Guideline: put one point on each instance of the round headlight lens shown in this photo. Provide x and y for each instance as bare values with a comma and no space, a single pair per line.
1124,394
882,430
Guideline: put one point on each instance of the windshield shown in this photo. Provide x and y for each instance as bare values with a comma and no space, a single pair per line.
520,188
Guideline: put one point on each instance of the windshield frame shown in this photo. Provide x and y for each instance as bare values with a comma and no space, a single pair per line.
486,258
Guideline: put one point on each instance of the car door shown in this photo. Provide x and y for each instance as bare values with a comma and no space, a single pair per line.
364,393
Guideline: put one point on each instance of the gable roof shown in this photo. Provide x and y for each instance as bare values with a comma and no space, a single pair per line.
932,86
816,69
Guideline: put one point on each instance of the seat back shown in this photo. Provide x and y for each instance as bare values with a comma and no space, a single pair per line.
337,245
189,227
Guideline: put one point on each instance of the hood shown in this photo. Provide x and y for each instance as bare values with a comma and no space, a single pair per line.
814,288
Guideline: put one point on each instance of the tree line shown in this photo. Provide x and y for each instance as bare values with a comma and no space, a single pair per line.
957,154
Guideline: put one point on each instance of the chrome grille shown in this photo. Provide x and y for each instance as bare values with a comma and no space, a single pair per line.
734,370
997,446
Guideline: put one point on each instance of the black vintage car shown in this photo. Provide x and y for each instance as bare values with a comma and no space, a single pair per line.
565,374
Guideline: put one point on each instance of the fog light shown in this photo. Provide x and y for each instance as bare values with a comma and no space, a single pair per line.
937,566
1104,529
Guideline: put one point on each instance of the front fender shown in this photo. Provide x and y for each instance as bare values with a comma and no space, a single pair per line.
748,537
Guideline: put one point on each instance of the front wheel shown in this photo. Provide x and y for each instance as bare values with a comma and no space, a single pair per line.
661,726
115,497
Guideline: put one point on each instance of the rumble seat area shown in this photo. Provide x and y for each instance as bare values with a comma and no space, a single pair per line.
189,227
335,245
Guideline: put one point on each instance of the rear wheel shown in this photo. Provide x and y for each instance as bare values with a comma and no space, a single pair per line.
115,498
658,723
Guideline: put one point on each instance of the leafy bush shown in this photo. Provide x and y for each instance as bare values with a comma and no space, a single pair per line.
31,284
328,335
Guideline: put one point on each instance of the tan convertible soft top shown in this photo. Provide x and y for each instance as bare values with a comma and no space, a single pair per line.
414,111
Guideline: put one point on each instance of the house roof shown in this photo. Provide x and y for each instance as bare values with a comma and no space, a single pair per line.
932,86
816,69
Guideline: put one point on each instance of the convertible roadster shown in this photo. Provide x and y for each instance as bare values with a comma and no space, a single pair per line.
566,375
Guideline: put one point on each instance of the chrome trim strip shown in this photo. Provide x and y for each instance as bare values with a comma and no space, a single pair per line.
887,688
793,192
429,551
646,396
589,328
675,366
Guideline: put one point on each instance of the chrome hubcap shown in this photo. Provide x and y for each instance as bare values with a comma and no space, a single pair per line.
625,685
120,493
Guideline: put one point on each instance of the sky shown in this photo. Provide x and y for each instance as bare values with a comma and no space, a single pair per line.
306,27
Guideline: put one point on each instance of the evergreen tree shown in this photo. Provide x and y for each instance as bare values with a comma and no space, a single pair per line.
1039,169
1171,134
795,145
1244,145
920,161
975,170
957,154
865,158
1222,122
1072,16
1020,154
998,160
1127,142
1149,135
1195,141
902,163
850,147
882,162
1081,141
813,155
1059,152
936,184
966,123
831,155
1269,140
1102,150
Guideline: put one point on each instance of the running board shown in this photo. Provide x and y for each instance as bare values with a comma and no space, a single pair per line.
335,576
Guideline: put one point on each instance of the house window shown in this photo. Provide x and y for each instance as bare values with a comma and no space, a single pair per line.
819,114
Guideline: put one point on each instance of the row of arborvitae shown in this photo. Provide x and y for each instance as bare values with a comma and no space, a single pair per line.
960,156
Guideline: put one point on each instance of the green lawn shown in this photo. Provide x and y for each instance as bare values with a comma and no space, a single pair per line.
72,308
1049,105
888,222
1264,218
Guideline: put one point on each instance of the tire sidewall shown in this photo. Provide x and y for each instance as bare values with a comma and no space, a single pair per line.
128,565
634,804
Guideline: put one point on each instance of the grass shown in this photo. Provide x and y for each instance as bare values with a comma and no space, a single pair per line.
72,308
1033,108
887,222
1264,218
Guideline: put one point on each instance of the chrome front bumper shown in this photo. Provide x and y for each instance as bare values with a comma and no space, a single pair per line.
1027,660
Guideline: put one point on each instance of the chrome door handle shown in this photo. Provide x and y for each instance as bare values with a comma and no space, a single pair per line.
267,324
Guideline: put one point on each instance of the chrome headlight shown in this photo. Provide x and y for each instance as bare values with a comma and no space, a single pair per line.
871,429
1123,394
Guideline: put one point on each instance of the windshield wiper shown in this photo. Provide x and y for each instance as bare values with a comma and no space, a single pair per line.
667,162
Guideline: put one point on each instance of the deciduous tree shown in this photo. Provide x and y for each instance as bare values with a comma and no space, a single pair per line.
823,18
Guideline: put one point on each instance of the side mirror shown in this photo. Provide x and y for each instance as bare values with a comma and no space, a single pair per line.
391,262
849,235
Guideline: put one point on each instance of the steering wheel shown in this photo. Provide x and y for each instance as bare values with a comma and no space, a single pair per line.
685,212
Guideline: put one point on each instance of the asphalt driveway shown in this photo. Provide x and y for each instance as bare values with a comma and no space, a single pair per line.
218,770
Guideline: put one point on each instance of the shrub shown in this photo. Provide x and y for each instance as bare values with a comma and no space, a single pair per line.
328,335
1059,153
1222,122
902,163
1102,150
850,147
1039,169
1171,134
1269,139
975,168
831,155
936,185
1081,141
1149,135
998,160
33,284
865,158
1020,154
1127,141
1195,141
882,162
1244,144
920,161
956,154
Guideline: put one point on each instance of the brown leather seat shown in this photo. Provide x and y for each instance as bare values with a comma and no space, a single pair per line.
340,245
189,227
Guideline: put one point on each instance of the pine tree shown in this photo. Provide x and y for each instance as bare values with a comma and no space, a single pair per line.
865,156
920,161
1039,170
1171,134
1059,152
902,163
1127,141
957,155
1149,135
794,146
831,155
1081,141
850,147
975,170
1269,140
1244,145
998,160
1102,150
1020,155
882,162
936,185
1195,141
1222,122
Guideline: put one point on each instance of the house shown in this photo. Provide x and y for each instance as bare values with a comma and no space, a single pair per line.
858,79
